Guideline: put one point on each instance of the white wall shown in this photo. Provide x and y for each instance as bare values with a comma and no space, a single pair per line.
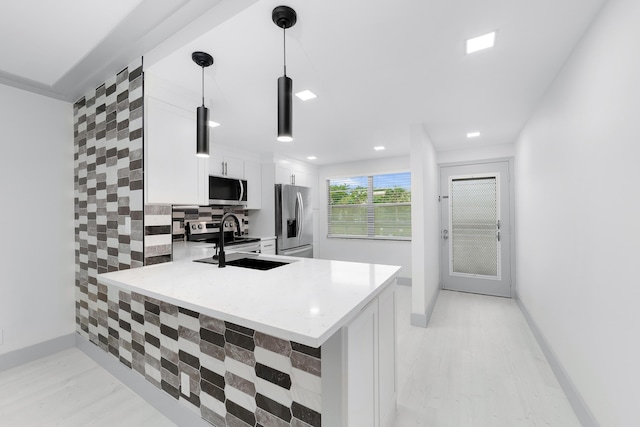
361,250
501,151
425,226
37,260
578,216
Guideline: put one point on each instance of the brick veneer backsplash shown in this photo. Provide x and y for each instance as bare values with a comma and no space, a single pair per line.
237,376
182,215
108,164
157,234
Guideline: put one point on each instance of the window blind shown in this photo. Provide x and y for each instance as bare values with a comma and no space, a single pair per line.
373,206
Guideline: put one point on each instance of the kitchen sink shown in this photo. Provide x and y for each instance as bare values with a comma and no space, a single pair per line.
246,260
256,263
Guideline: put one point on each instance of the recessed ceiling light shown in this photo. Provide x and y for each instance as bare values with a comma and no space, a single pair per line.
213,124
311,157
306,95
378,148
473,134
481,42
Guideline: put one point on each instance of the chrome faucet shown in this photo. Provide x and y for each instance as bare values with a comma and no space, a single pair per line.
221,258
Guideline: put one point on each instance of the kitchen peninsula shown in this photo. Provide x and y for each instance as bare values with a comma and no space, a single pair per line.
313,340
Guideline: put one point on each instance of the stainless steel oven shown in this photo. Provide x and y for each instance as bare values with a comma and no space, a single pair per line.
209,232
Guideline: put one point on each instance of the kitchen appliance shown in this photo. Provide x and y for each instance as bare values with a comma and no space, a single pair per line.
294,221
227,191
209,232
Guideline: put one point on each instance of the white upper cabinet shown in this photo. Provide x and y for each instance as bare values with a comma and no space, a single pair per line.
293,173
173,172
297,173
225,163
284,175
222,163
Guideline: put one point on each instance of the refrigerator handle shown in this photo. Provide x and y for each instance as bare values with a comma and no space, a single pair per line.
301,221
297,215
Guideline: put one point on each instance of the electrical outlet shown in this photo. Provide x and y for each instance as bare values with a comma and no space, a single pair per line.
185,384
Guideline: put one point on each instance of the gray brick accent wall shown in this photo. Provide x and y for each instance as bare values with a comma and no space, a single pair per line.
231,375
108,162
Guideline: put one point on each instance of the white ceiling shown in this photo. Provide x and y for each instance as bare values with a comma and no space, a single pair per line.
377,66
64,48
49,63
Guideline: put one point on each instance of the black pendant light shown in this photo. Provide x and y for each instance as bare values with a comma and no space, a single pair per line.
203,59
284,17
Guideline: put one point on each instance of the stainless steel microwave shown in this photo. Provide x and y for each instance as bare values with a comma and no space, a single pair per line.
227,191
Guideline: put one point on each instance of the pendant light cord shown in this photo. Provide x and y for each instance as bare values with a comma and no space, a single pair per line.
203,86
284,44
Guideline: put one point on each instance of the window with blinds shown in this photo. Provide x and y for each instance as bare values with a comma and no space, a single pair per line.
374,206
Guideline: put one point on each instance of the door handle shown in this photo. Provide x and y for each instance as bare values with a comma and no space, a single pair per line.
445,234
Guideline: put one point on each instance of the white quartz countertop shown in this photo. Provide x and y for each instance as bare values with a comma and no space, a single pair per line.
305,301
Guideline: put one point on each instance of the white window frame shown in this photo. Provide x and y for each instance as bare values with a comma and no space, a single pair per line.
370,207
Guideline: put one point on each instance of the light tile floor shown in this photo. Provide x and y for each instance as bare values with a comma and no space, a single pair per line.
68,389
477,364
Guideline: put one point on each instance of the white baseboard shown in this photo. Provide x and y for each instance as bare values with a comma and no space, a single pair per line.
419,319
163,402
584,414
29,354
404,281
422,320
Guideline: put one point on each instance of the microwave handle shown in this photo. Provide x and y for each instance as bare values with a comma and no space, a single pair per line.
241,191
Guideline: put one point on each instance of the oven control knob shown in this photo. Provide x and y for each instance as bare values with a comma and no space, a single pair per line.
193,226
200,226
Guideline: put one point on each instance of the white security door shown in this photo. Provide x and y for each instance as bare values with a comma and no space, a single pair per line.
475,228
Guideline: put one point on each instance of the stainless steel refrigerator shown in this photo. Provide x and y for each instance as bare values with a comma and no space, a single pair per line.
294,221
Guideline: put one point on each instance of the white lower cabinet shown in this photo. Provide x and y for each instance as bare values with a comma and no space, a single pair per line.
268,245
387,357
361,369
360,388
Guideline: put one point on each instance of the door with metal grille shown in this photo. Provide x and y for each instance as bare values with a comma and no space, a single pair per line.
475,228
